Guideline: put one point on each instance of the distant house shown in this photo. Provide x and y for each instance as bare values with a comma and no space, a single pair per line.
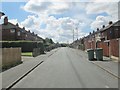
11,32
89,41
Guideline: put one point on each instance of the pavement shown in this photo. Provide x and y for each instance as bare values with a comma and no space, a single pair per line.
109,65
63,68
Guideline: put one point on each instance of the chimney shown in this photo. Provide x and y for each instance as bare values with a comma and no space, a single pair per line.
110,22
6,20
24,28
17,25
90,33
103,26
33,33
29,31
93,31
97,29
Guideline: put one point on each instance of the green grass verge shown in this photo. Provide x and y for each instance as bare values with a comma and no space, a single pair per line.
26,54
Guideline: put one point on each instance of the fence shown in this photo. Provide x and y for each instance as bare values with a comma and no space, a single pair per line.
38,51
11,56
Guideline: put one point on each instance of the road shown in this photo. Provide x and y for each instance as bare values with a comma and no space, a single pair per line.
67,68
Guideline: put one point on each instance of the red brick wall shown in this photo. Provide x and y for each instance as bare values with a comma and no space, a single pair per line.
105,48
93,44
114,44
6,35
87,45
114,47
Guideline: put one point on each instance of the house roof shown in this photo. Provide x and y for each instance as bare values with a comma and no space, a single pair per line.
109,26
8,26
11,26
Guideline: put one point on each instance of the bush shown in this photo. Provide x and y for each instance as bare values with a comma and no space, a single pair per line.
26,46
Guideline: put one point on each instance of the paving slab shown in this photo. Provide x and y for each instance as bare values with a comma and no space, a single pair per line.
107,64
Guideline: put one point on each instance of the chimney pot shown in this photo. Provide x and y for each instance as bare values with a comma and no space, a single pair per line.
110,22
17,24
103,26
6,20
97,29
24,28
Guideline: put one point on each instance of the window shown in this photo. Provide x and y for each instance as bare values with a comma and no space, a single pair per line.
18,33
12,30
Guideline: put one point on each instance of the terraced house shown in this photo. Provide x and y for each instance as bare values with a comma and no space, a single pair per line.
11,32
108,38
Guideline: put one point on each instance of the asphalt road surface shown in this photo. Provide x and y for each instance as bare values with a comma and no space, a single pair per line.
68,69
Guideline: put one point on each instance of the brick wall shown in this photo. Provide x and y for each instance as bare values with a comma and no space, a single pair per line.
6,35
114,47
89,44
105,48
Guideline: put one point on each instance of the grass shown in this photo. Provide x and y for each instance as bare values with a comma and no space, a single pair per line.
26,54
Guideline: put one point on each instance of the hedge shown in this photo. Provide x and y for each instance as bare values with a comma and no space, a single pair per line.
26,46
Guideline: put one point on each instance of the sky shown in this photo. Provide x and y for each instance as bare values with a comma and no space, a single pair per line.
57,19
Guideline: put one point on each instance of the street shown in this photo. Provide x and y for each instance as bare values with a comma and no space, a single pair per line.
67,68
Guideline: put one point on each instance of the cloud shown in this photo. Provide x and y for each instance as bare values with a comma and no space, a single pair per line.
15,21
31,21
99,7
111,8
58,29
72,14
43,7
104,1
99,22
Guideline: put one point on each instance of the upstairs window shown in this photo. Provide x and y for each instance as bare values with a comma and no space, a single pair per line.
12,31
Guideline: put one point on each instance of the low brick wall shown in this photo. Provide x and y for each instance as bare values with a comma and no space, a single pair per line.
11,56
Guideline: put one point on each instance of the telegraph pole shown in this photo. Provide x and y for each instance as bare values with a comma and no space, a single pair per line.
77,32
73,35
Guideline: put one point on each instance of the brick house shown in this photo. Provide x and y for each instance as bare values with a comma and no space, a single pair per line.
110,39
89,41
112,31
107,38
11,32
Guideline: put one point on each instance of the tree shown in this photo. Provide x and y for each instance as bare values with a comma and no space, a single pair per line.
51,41
47,40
